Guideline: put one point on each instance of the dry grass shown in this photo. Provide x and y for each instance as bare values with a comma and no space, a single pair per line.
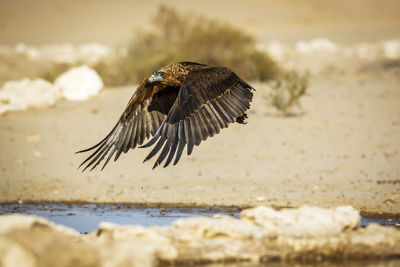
55,70
16,67
179,37
287,90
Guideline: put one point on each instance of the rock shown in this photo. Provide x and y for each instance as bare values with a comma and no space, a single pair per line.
317,45
34,241
127,253
26,93
79,83
263,234
304,222
391,48
89,53
202,228
150,239
92,53
13,222
12,254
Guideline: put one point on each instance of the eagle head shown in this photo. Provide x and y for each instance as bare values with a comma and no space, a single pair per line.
171,75
156,77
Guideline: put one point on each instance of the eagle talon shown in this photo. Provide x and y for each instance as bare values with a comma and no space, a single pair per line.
242,119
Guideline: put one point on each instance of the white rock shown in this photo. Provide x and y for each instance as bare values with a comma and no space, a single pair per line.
203,228
368,51
13,222
26,93
127,253
260,198
12,254
391,48
93,52
27,50
304,222
317,44
79,83
150,239
59,53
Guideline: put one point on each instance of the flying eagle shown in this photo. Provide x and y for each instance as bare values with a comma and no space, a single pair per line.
179,105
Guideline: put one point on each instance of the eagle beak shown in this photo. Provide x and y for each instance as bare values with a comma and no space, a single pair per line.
156,77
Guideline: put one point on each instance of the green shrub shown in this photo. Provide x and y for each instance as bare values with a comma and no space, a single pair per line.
287,90
178,37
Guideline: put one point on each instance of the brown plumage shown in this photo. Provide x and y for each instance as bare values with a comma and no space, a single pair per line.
179,105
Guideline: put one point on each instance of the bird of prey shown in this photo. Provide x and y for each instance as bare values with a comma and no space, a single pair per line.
179,105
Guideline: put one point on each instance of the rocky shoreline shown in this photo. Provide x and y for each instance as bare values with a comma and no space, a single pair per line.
262,234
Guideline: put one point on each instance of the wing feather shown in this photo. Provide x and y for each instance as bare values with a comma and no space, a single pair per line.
134,134
213,123
189,136
194,131
221,122
221,109
132,129
144,127
158,146
182,141
175,139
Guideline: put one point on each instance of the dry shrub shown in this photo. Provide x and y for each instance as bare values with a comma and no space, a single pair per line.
287,90
55,70
15,66
178,37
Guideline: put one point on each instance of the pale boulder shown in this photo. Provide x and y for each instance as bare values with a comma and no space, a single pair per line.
13,254
304,222
12,222
26,93
150,239
34,241
79,83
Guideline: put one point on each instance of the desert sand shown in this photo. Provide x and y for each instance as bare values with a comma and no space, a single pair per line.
341,148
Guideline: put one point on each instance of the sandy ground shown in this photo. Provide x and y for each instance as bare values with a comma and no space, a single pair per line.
343,149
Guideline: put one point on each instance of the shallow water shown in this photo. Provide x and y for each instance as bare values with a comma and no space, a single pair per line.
86,217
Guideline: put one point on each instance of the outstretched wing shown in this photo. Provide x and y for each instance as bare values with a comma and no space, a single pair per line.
209,99
135,125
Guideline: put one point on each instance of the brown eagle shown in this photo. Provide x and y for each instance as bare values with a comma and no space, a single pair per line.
179,105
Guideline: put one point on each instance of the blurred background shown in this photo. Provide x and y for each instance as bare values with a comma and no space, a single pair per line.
325,118
44,38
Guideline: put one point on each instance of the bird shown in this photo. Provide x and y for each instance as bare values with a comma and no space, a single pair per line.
180,105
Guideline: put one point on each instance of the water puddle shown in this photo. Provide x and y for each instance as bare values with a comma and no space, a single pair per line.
86,217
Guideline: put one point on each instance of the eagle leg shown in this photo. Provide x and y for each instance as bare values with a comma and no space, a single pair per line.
241,119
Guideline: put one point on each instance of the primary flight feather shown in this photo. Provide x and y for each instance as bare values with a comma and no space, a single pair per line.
179,105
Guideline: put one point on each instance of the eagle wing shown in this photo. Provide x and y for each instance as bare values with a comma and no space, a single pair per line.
134,126
209,99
